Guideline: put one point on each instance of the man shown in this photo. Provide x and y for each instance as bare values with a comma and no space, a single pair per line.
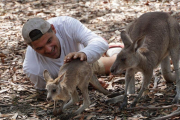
59,40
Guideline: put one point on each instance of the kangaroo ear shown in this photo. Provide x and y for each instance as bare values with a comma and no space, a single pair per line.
60,78
126,39
47,76
137,43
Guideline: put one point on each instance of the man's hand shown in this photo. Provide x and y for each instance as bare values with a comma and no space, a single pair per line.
74,55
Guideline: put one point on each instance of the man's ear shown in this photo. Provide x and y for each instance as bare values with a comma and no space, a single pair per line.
53,28
46,76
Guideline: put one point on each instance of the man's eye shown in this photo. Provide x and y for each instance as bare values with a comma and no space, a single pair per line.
54,90
39,48
49,41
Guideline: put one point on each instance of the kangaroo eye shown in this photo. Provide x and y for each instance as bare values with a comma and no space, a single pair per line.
123,59
54,90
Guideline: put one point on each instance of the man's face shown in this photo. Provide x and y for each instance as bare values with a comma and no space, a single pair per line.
48,45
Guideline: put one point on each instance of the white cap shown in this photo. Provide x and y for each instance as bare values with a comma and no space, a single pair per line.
39,24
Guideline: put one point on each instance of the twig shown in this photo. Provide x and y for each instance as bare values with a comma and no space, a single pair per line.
5,105
112,30
110,78
154,108
175,113
156,80
115,100
157,90
2,55
115,94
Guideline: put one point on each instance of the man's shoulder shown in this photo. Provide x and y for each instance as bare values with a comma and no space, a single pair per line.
30,60
60,19
33,62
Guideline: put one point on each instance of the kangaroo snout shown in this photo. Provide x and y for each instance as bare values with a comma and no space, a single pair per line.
116,71
48,98
112,70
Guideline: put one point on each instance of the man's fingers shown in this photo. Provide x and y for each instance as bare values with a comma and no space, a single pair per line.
82,58
68,57
78,55
75,55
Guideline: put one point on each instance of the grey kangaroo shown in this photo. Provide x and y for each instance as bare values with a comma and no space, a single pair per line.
71,75
149,41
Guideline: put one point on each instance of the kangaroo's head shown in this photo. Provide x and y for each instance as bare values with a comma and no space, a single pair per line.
52,86
128,57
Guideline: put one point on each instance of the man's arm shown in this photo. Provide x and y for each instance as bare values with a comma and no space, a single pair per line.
39,82
31,68
95,45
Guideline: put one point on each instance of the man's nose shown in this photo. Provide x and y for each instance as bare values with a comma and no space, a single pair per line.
48,49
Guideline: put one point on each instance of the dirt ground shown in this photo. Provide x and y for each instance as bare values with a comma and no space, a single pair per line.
106,18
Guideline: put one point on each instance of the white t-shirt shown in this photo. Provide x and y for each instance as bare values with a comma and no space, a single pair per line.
73,37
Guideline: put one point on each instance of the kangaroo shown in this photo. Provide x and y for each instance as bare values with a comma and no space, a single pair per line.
71,75
149,41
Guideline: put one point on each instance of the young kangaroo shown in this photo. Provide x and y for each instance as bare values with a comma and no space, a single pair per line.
150,40
72,75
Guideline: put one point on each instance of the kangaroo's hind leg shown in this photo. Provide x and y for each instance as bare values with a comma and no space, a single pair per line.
94,81
86,100
174,53
175,60
74,99
166,70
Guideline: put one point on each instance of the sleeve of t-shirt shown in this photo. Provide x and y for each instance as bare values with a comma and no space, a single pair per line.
95,45
31,68
39,82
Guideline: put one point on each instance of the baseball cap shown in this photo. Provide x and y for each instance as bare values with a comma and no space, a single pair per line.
39,25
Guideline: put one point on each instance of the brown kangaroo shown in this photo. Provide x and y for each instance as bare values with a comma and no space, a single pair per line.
72,75
149,41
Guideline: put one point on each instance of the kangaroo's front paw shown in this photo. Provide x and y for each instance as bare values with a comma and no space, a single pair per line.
72,114
64,117
123,106
67,116
176,100
60,112
133,105
55,112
